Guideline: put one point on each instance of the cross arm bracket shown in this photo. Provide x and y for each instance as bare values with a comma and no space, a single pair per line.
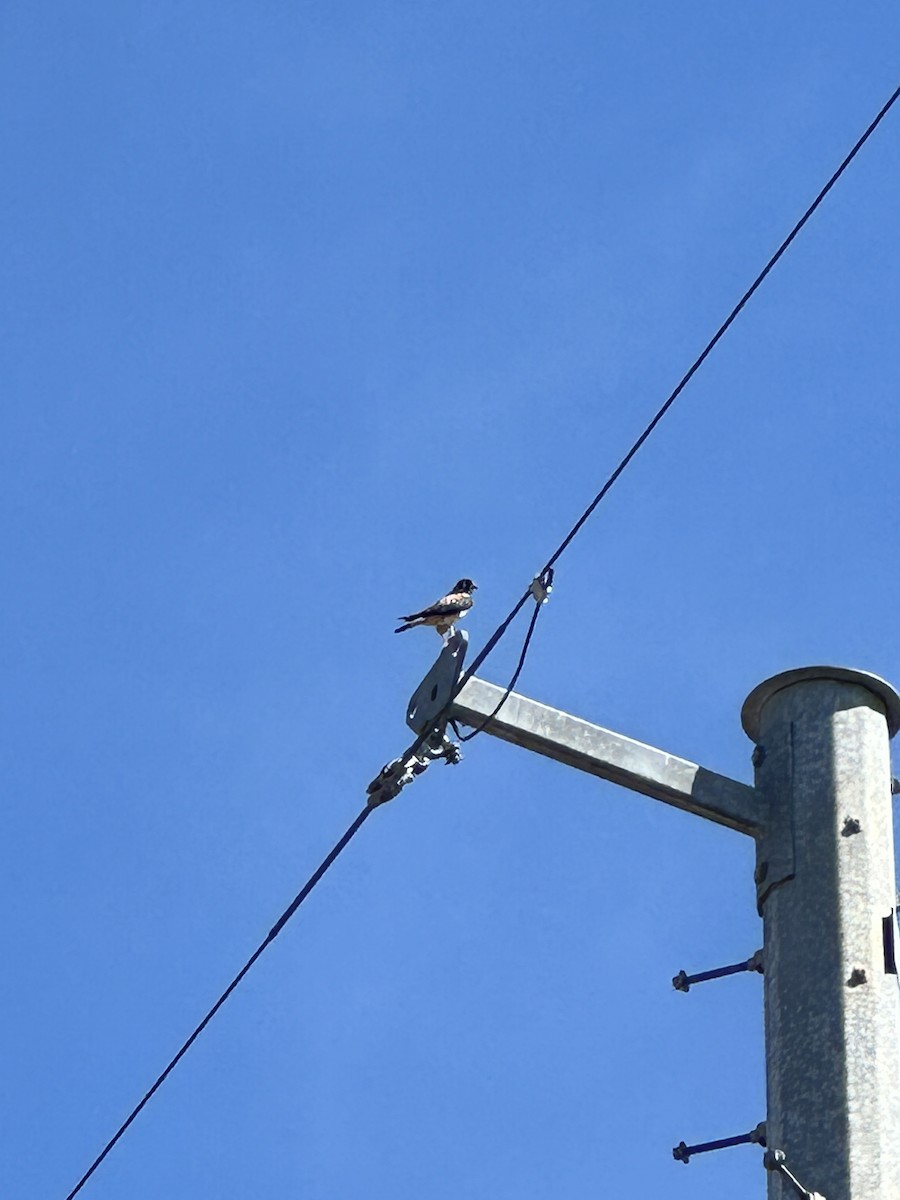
611,756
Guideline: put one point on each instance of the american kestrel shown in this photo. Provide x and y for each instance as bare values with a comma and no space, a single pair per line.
444,612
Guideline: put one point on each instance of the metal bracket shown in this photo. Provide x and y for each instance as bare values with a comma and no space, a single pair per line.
424,715
542,585
682,982
436,690
773,1160
889,942
756,1137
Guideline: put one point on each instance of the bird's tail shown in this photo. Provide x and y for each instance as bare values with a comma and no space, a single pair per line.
408,625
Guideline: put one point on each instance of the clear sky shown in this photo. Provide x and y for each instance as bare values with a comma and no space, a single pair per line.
309,309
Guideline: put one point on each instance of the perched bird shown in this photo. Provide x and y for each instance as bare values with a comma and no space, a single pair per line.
444,612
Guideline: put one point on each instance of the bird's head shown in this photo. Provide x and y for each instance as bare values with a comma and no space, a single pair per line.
464,585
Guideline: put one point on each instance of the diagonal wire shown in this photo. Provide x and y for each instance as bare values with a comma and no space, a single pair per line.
725,326
267,941
670,400
498,634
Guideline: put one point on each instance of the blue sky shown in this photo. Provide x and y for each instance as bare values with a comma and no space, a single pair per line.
309,309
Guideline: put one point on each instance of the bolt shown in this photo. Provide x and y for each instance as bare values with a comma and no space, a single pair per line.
682,1153
681,983
772,1159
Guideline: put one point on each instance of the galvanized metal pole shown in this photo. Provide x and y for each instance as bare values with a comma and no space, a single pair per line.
821,816
826,889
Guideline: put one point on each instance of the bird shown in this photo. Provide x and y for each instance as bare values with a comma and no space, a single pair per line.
444,612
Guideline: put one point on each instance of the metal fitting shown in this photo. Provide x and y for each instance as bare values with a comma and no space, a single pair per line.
757,1136
773,1160
682,981
391,779
542,585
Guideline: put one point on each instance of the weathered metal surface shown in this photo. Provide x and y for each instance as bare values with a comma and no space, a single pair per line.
832,1008
821,814
751,713
611,756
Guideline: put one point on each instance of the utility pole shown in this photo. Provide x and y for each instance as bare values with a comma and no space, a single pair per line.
820,813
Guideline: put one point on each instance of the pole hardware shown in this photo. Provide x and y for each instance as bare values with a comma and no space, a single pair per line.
435,692
391,779
682,981
756,1137
773,1160
425,716
542,585
888,929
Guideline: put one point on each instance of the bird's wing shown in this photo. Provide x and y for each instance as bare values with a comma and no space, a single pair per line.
447,606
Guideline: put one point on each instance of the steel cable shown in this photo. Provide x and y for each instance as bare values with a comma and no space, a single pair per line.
496,636
267,941
670,400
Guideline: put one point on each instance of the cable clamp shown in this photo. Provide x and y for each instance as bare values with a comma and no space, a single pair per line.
542,585
756,1137
773,1160
682,981
393,778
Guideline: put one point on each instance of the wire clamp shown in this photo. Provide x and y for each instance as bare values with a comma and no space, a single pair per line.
393,778
756,1137
773,1160
682,981
542,585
